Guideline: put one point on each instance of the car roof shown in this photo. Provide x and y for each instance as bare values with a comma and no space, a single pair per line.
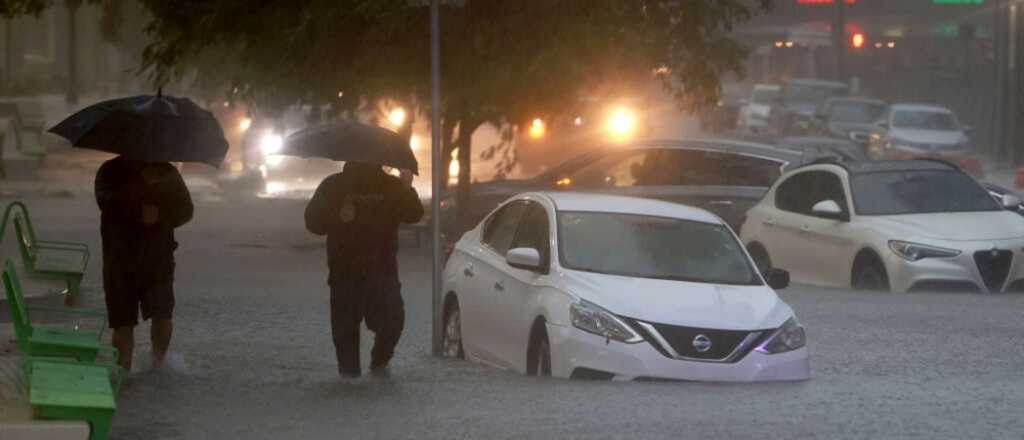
919,107
589,202
876,166
818,82
857,99
726,145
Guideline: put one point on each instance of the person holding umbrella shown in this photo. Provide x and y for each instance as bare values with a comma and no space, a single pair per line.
142,199
360,210
141,203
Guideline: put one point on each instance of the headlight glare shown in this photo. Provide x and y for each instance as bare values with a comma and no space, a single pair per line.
789,337
591,318
915,252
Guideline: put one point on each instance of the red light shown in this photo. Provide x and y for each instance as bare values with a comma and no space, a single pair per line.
858,40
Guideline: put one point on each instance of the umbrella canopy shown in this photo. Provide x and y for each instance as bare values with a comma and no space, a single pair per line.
352,142
149,128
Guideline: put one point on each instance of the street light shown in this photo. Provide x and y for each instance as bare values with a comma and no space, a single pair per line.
397,116
537,128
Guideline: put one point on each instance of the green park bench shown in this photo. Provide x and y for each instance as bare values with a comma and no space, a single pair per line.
66,390
83,345
47,260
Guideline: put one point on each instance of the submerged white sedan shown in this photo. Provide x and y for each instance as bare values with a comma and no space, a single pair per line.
602,287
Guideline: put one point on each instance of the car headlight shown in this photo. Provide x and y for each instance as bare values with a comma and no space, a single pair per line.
914,251
271,143
591,318
789,337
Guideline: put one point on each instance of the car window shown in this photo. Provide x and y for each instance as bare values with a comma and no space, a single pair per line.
919,192
855,112
829,187
801,192
534,232
652,247
612,170
925,120
501,227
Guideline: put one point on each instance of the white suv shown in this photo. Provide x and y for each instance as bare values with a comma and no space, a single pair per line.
914,225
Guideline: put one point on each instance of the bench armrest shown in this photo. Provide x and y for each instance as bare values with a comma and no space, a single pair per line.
78,312
64,246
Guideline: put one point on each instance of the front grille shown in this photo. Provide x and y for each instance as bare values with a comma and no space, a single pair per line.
681,340
994,267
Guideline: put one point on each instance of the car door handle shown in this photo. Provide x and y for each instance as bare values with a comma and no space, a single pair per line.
721,203
805,228
499,286
468,271
769,222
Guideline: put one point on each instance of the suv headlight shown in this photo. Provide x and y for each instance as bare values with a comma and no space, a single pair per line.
789,337
591,318
914,251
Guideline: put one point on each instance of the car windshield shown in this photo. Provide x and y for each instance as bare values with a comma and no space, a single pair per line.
764,96
919,192
925,120
811,94
652,247
856,112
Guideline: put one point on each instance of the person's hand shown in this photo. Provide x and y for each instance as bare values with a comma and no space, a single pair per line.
405,176
150,214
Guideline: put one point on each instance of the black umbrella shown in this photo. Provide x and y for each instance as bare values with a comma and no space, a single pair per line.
150,128
352,142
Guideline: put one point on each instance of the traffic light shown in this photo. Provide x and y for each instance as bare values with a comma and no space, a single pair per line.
858,40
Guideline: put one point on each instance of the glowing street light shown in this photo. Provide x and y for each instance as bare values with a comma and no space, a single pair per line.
244,124
622,123
397,116
537,128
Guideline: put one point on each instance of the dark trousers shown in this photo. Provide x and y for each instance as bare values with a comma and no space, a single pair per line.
355,298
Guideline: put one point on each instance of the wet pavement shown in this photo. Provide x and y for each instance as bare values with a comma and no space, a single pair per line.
253,357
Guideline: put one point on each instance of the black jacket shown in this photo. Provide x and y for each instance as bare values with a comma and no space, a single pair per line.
120,194
360,211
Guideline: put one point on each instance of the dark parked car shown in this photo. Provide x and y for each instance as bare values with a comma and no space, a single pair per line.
849,118
722,118
724,177
793,113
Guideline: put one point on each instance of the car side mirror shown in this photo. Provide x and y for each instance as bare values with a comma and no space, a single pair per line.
524,258
829,209
1011,201
777,279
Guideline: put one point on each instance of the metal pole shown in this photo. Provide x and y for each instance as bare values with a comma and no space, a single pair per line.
839,40
436,162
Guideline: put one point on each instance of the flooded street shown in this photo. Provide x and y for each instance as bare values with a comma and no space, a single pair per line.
252,358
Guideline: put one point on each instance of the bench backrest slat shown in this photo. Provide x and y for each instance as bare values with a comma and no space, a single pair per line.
19,312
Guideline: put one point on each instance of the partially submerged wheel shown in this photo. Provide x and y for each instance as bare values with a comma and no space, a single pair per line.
869,274
451,337
540,355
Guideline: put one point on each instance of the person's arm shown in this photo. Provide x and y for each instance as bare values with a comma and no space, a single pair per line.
319,214
409,207
116,196
175,206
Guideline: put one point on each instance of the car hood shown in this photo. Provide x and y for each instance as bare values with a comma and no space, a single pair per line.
682,303
928,136
960,226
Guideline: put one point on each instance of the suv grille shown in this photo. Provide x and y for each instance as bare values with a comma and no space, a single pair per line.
994,267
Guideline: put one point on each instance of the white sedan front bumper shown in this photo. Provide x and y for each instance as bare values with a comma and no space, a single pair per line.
954,273
572,348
